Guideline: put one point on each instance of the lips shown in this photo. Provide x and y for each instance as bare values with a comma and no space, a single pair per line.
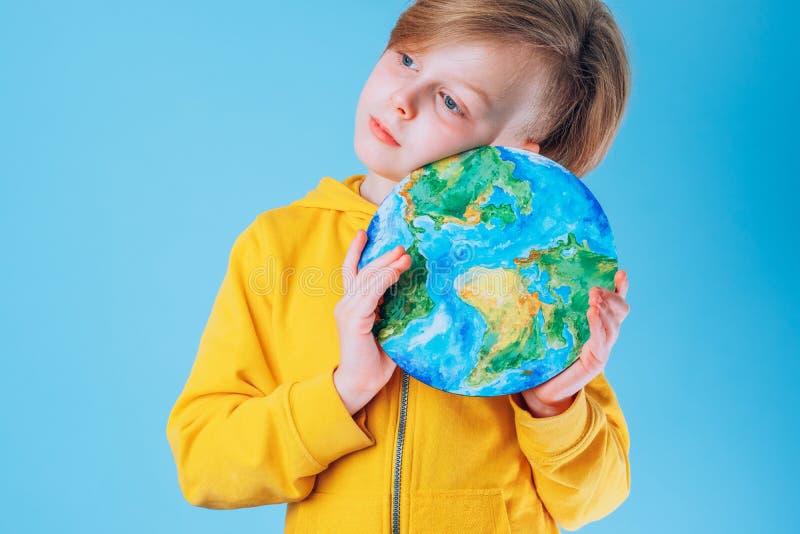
381,133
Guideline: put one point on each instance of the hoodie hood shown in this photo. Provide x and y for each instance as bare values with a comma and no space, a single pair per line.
340,196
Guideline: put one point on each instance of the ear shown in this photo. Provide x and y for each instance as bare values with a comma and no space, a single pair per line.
531,146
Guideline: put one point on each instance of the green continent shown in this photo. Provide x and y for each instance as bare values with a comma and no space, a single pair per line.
432,190
578,267
405,300
504,212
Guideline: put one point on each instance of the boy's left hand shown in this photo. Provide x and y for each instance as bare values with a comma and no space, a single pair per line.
607,310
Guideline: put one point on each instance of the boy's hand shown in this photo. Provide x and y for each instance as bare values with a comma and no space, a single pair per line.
364,368
607,310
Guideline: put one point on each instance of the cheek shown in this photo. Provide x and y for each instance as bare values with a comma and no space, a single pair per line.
438,139
451,135
367,92
379,83
437,124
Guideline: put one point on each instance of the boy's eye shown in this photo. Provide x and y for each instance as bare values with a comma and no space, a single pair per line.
451,104
406,60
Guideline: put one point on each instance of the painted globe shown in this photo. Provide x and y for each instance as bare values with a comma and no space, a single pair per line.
505,245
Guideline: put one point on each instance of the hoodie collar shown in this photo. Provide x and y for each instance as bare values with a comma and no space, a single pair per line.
340,196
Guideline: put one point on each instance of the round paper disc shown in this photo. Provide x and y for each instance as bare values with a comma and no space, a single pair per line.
505,245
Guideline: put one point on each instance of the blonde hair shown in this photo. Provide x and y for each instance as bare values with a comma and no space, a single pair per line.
584,90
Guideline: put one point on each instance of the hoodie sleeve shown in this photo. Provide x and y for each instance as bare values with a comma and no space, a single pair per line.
579,458
239,437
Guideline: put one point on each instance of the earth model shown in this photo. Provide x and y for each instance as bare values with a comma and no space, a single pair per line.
505,245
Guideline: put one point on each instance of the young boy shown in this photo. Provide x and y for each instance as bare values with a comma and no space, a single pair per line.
291,399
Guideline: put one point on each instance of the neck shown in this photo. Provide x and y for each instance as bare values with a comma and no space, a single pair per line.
376,187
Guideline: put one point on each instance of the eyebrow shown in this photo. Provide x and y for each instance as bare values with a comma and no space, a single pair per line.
475,90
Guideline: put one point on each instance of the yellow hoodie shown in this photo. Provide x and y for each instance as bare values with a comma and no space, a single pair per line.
260,421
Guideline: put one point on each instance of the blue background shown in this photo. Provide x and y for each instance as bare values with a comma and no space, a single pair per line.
137,139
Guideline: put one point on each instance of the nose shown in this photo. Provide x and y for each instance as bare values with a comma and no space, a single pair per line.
402,101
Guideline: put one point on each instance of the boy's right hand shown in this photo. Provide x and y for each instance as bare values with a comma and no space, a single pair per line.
364,368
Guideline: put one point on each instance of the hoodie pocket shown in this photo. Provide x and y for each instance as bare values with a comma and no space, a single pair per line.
459,511
327,513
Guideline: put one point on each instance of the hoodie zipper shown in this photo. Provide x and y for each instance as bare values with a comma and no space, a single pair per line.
398,456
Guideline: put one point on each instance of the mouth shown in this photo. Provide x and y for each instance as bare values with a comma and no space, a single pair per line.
381,133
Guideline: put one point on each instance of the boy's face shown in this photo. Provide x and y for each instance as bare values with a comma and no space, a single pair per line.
449,99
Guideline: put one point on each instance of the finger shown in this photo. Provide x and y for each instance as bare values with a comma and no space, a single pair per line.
372,284
592,359
354,251
385,259
615,303
621,283
589,364
610,323
598,336
350,263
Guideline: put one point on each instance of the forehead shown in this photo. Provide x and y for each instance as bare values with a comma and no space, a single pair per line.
499,70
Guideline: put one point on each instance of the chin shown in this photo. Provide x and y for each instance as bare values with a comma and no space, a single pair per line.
377,162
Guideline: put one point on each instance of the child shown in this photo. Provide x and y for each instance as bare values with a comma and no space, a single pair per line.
291,399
